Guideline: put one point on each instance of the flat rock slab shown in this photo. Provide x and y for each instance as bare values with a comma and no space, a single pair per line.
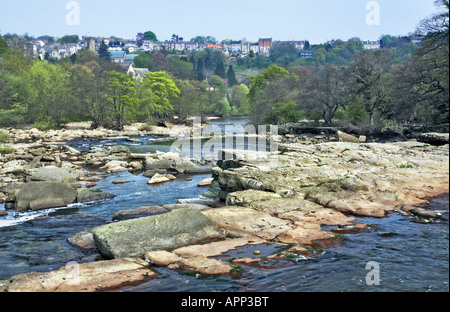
216,248
248,221
162,257
86,277
204,265
135,237
54,174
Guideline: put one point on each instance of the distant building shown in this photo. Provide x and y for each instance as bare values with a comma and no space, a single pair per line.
372,45
265,44
137,73
306,54
181,45
117,56
215,46
297,44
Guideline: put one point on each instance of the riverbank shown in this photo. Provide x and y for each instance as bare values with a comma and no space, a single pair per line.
303,197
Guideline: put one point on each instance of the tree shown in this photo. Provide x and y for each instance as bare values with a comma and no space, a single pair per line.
329,91
200,70
182,69
274,85
238,99
69,39
89,84
422,82
231,76
121,96
220,70
149,35
86,56
103,52
284,53
155,93
50,91
373,81
3,46
145,60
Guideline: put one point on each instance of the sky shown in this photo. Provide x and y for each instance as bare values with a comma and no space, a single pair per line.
315,20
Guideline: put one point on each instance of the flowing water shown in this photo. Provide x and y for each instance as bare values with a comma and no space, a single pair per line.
412,254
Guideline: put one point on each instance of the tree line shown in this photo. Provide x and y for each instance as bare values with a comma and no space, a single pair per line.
88,86
375,88
341,84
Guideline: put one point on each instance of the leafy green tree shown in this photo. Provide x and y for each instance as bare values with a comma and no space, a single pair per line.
257,83
69,39
89,84
238,99
155,94
121,96
3,46
284,53
274,85
103,52
86,56
51,93
149,35
145,60
284,113
182,69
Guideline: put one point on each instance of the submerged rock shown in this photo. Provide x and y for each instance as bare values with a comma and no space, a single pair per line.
133,238
138,213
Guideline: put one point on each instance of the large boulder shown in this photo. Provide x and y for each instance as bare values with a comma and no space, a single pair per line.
436,139
134,238
43,195
54,174
344,137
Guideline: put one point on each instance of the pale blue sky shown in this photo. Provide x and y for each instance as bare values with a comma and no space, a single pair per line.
316,21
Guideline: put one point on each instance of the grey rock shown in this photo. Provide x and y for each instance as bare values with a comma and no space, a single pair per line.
54,174
85,195
168,231
436,139
43,195
138,213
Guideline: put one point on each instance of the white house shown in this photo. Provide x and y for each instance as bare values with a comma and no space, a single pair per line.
372,45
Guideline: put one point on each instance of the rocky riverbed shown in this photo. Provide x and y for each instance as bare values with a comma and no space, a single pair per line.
287,198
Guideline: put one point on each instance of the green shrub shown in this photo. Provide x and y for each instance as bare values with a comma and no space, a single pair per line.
4,137
45,125
6,149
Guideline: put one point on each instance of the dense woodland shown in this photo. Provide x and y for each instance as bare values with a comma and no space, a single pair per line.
342,84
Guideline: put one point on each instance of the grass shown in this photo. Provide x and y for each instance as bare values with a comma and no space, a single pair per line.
4,137
6,149
407,165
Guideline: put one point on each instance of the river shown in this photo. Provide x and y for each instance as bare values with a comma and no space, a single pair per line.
412,255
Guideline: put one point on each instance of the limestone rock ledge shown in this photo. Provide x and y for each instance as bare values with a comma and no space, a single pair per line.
85,277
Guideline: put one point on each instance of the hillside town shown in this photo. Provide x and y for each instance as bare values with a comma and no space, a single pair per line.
125,50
